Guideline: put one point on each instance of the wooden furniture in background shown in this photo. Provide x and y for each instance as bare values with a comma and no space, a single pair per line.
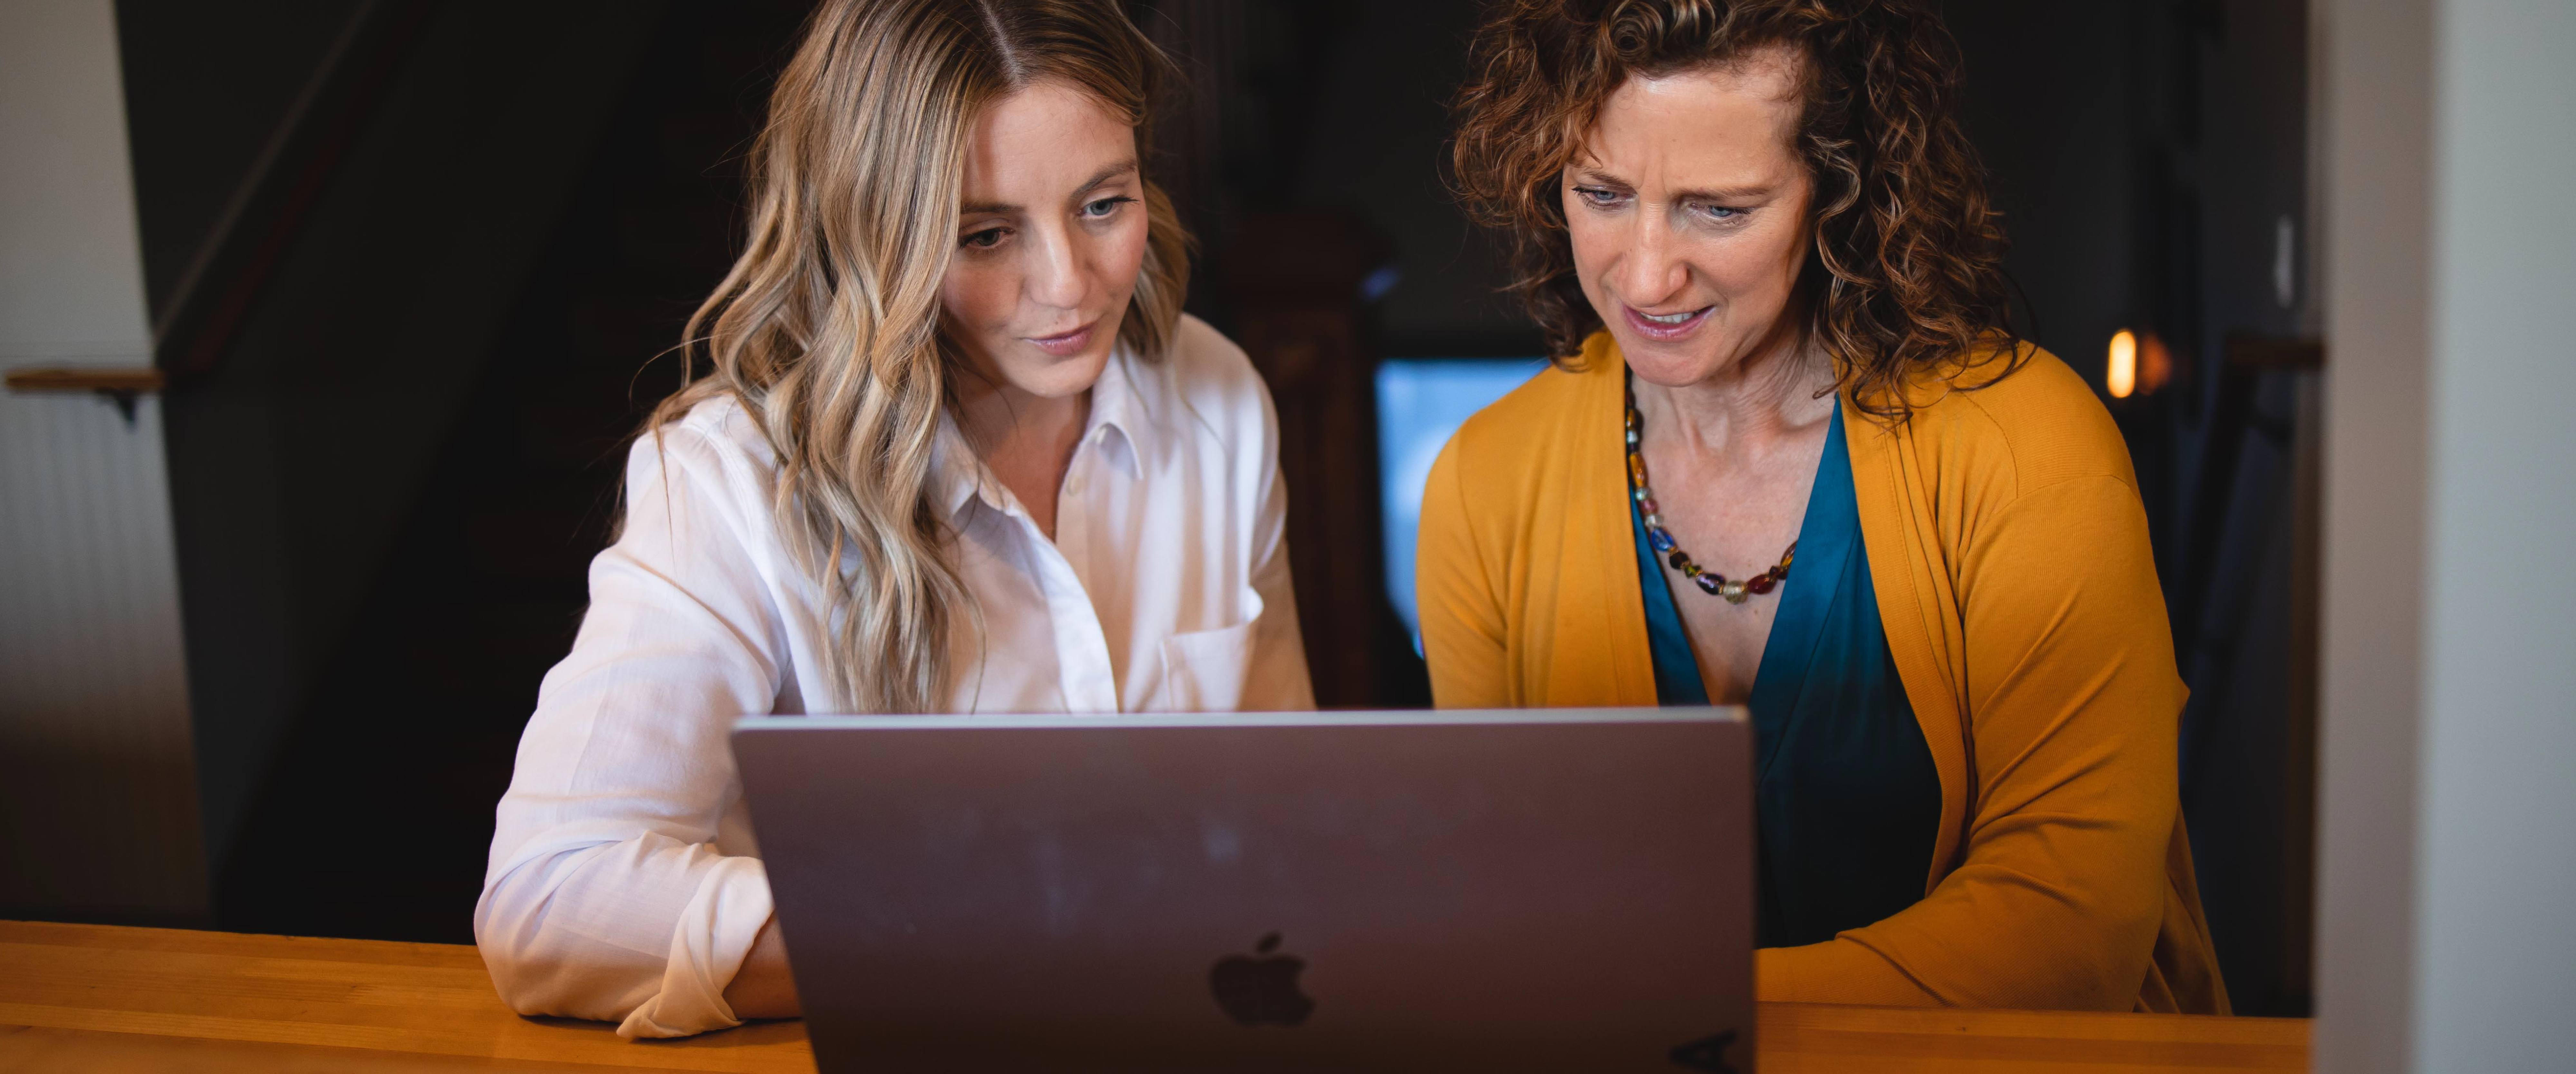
1293,287
92,998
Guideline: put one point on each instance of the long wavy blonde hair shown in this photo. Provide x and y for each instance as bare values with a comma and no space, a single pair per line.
827,328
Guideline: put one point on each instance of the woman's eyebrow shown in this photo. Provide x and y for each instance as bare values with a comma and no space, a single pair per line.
1752,192
1114,171
1724,194
1005,208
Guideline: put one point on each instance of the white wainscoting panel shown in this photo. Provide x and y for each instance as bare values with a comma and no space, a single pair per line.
98,780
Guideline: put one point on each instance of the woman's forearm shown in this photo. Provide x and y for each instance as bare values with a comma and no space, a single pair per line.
762,988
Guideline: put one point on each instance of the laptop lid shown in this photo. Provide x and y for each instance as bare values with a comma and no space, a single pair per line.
1361,891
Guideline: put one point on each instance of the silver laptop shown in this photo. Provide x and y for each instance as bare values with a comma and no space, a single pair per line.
1538,890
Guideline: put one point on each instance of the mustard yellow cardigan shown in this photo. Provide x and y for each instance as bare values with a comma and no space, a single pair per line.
2008,548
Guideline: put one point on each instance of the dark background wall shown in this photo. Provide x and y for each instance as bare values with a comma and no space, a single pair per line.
209,86
297,459
449,286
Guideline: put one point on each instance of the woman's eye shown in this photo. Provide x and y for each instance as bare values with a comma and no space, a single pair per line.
1104,206
1597,196
983,240
1720,212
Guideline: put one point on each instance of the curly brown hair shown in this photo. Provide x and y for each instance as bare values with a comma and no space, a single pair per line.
1908,274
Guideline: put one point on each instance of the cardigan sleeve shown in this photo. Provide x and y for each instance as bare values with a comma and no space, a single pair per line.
2073,698
1462,616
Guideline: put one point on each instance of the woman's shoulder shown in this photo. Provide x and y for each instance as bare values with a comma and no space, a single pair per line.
2030,415
714,448
1212,385
1535,476
1527,428
718,423
1204,366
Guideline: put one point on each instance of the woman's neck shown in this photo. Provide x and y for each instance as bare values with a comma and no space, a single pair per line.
1027,440
1769,398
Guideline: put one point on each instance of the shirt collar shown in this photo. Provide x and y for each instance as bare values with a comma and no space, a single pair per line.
1118,421
1120,428
957,476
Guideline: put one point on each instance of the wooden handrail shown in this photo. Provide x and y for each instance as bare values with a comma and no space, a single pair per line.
119,386
250,241
87,380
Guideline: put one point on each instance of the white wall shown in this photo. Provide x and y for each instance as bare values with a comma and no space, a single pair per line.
2449,724
2496,947
97,778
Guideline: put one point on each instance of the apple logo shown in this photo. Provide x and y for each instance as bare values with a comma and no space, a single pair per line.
1261,988
1707,1054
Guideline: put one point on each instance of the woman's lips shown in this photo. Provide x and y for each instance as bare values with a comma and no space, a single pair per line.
1662,331
1067,344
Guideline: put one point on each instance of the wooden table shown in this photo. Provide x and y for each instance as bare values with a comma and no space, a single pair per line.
92,998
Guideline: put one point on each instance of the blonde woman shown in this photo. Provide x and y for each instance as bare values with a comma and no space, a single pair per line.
959,451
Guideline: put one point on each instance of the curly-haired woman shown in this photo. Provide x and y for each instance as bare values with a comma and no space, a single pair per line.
1791,457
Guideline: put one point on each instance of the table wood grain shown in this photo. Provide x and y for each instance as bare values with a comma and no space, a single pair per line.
105,1000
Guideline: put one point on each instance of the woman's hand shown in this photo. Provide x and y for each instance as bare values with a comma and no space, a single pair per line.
762,988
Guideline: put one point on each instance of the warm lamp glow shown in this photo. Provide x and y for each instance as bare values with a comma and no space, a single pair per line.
2122,375
2155,363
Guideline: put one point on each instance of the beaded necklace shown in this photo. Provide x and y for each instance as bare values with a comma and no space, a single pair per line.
1709,582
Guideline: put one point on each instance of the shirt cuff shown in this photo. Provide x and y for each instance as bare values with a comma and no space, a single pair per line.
715,933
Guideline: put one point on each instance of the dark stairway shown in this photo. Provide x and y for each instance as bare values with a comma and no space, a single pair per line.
377,816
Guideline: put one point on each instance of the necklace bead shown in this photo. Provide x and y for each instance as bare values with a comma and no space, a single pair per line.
1661,539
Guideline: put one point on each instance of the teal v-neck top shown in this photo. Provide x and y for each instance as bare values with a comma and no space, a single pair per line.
1846,801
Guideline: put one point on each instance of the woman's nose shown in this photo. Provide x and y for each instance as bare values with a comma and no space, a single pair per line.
1058,278
1651,269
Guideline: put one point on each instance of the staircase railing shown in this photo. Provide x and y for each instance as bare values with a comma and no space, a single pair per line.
268,211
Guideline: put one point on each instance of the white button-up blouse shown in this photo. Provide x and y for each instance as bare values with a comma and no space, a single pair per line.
624,884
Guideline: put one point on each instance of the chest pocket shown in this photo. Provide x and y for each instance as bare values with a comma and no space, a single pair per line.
1205,670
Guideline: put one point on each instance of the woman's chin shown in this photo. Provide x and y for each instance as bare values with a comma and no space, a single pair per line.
1048,376
1677,364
